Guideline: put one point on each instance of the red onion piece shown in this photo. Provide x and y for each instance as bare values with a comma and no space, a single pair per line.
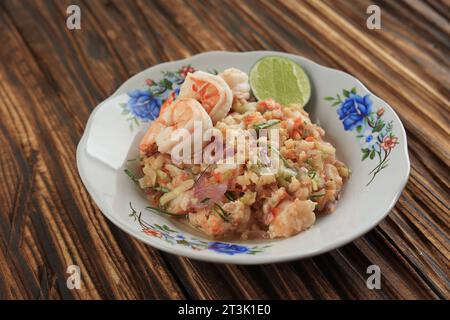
206,190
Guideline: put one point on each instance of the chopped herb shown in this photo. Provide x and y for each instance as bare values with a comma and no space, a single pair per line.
221,212
266,125
316,196
162,189
205,200
230,196
279,155
135,159
287,173
131,175
286,163
161,210
312,173
201,174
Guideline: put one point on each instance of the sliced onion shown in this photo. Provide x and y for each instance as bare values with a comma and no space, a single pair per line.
214,192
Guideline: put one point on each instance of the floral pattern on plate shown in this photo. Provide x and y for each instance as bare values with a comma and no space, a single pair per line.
375,134
174,237
145,104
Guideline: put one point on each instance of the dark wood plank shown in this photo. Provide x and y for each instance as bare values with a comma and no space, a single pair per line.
57,224
51,78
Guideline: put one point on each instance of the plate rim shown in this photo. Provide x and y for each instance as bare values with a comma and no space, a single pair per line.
230,259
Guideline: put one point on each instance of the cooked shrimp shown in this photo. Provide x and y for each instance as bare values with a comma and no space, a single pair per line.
237,80
301,188
181,204
181,114
293,217
207,220
268,212
211,91
148,142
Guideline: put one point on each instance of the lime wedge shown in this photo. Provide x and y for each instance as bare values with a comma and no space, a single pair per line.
280,79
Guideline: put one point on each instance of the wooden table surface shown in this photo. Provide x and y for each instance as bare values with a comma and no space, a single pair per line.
51,78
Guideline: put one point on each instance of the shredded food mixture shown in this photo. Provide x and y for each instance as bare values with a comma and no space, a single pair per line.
241,200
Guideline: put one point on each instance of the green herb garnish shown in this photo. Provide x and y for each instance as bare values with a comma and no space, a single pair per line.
230,196
131,175
312,174
221,212
316,196
283,159
201,174
286,163
161,210
162,189
135,159
266,125
205,200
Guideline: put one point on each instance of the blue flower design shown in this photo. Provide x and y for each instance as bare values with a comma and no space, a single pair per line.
144,105
353,110
375,133
227,248
173,237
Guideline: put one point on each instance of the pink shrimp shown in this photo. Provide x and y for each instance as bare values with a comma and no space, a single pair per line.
181,114
211,91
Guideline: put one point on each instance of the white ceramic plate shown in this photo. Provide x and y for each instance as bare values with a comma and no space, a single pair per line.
115,126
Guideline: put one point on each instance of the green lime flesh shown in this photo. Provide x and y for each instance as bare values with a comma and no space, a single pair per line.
280,79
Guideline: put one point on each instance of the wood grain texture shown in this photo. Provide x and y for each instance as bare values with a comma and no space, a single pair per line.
51,78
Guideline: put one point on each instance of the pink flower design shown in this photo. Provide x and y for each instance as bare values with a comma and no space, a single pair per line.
185,70
152,233
380,112
389,142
